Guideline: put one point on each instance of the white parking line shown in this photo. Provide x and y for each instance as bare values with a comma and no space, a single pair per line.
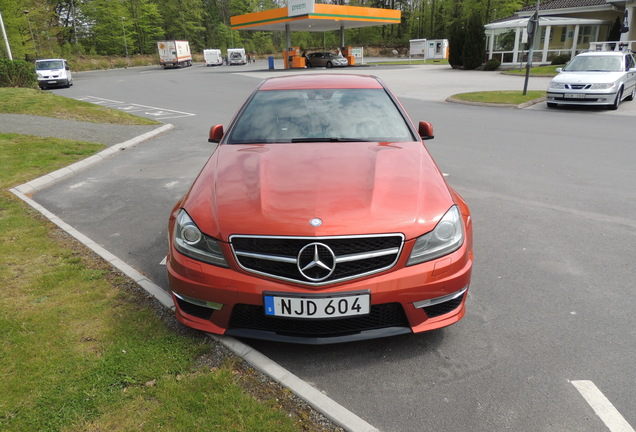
158,113
603,408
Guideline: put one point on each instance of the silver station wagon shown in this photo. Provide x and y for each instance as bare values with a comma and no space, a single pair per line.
595,78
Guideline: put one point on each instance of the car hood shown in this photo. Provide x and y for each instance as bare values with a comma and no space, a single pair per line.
354,188
587,77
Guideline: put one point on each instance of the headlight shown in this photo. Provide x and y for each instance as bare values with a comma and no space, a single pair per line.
602,86
191,242
556,85
447,237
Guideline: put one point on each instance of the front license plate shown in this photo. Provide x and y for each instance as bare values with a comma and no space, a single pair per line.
574,96
317,307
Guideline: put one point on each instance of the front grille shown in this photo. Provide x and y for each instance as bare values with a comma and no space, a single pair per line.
578,86
339,258
381,316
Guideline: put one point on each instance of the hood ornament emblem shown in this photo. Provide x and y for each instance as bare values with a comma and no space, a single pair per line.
315,222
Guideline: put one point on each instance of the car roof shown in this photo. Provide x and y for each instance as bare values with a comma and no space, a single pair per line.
322,81
50,59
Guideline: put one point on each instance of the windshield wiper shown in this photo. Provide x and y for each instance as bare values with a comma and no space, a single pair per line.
328,139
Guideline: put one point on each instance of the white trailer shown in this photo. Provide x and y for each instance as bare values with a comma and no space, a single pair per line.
213,57
174,53
236,56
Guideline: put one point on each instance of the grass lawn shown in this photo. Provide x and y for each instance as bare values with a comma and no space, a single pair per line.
543,71
83,348
410,62
512,97
44,103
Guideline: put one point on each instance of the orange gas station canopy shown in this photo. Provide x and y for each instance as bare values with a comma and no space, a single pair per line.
305,15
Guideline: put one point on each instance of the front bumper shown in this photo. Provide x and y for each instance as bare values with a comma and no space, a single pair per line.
580,98
53,82
414,299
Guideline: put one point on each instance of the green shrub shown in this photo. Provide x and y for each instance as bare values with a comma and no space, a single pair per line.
492,64
17,73
560,59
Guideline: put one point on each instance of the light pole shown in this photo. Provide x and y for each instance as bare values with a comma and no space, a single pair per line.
533,28
125,42
6,40
26,12
418,27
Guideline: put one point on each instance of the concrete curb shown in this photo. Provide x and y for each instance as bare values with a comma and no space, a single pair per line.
317,400
520,106
41,182
164,298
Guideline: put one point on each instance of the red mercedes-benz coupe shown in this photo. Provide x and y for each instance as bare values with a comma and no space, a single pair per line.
320,218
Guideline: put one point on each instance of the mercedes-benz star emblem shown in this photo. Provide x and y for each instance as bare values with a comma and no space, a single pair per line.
315,222
316,261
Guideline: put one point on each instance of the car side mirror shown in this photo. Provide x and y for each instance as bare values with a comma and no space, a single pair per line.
67,68
558,70
426,130
216,133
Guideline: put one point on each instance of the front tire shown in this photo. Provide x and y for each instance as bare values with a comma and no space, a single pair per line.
617,102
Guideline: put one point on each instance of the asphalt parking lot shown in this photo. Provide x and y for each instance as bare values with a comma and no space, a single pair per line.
549,333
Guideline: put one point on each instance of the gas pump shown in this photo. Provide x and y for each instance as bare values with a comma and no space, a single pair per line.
293,58
348,54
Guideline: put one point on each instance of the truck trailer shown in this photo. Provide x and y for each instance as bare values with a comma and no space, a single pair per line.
174,53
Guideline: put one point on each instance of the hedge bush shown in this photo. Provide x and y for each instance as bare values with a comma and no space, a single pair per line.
492,64
17,73
560,59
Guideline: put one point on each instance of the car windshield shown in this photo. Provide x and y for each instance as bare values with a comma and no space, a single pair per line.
594,64
49,65
314,115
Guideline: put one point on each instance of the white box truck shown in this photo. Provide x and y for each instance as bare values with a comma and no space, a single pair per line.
236,56
174,53
213,57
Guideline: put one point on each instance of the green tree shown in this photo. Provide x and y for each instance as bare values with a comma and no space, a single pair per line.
104,32
184,20
144,25
32,28
474,42
456,44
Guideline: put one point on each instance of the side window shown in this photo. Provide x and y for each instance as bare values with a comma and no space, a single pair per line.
630,62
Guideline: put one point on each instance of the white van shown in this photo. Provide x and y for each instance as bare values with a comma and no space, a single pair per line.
213,57
53,73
